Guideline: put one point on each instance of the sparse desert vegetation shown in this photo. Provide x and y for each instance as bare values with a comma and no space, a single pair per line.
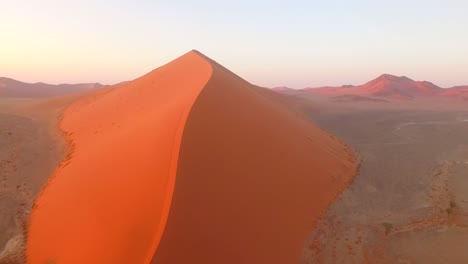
388,228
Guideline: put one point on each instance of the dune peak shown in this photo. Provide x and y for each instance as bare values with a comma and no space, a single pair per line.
198,53
159,165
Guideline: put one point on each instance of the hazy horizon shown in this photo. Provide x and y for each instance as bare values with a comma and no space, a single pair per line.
296,44
297,88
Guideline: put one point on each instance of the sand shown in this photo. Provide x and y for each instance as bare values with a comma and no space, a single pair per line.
253,178
412,180
188,163
111,197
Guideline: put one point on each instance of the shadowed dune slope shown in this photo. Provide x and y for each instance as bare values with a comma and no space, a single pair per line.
252,178
108,202
188,164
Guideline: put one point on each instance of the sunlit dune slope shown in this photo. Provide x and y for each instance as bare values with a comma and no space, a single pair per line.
188,164
108,202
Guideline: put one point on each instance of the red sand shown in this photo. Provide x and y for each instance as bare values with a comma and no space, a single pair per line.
109,204
252,176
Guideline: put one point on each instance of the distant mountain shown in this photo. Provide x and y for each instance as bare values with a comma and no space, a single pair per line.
385,85
13,88
391,87
329,90
398,87
461,91
284,90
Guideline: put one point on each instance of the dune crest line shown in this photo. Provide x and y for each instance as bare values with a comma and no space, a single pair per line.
115,209
253,178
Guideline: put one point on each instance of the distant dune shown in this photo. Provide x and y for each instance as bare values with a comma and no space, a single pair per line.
187,164
386,85
14,88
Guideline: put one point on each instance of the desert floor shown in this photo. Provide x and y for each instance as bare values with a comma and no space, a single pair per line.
31,148
409,204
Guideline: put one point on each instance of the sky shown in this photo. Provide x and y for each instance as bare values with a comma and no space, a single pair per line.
269,43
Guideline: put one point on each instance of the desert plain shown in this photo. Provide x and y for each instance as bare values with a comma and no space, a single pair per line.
408,204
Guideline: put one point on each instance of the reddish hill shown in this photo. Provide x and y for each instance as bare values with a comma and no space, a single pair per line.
385,85
284,90
329,90
14,88
397,87
187,164
459,91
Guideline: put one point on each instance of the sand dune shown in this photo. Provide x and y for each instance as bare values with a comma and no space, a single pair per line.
17,89
187,164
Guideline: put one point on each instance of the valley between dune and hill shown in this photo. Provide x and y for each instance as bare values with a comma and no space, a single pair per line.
170,163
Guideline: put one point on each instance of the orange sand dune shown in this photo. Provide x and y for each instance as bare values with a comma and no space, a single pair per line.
109,202
252,179
187,164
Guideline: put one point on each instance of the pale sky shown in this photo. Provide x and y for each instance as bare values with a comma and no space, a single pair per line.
269,43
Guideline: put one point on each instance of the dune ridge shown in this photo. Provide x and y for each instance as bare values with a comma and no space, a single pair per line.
151,114
267,176
163,166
